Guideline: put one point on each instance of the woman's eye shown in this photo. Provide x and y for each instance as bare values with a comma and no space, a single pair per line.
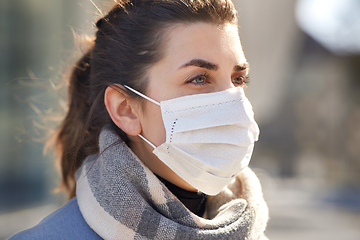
201,79
240,80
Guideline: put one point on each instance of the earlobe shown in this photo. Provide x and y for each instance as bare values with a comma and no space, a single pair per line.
122,110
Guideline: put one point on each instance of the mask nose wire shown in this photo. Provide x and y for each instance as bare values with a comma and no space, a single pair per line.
151,100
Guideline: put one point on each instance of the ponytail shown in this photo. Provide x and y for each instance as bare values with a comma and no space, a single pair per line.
75,138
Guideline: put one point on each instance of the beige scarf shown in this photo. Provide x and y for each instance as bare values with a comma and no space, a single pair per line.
120,198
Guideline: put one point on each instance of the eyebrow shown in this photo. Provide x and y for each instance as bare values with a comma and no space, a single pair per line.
200,63
211,66
241,67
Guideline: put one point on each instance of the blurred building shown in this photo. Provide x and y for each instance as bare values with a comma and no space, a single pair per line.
36,41
306,97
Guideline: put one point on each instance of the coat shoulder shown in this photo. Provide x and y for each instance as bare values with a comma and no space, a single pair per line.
66,222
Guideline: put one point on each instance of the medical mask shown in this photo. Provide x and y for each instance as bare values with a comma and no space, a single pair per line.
209,137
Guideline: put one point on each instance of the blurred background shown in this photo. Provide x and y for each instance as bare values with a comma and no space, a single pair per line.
305,90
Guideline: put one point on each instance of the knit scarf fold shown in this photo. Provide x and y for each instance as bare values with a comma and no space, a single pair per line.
120,198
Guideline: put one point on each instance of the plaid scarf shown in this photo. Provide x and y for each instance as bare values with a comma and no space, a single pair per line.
120,198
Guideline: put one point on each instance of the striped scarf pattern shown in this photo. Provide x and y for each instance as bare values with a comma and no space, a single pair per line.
120,198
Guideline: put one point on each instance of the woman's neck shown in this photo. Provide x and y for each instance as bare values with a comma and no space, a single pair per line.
194,201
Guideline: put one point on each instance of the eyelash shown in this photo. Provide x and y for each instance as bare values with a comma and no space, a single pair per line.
205,75
245,79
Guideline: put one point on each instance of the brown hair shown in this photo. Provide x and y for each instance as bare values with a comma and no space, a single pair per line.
128,42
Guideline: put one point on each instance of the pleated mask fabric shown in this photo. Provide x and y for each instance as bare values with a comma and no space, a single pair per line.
209,137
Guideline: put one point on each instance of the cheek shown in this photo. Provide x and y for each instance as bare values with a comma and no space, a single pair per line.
152,124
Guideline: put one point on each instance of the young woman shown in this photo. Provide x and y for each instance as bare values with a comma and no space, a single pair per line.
159,133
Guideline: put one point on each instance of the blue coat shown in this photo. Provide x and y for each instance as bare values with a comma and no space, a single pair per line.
65,223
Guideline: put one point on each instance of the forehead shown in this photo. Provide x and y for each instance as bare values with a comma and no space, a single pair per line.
215,43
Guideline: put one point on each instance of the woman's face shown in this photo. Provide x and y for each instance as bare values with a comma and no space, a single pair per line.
199,58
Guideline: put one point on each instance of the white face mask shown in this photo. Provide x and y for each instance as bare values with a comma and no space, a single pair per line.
209,137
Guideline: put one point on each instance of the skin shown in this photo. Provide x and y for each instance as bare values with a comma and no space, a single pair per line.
199,58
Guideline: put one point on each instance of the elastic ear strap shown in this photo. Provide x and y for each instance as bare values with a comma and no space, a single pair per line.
147,141
142,95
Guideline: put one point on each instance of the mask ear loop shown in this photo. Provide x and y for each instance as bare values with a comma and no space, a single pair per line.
142,95
152,145
151,100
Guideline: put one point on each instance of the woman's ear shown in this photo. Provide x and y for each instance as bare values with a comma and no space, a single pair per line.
123,111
